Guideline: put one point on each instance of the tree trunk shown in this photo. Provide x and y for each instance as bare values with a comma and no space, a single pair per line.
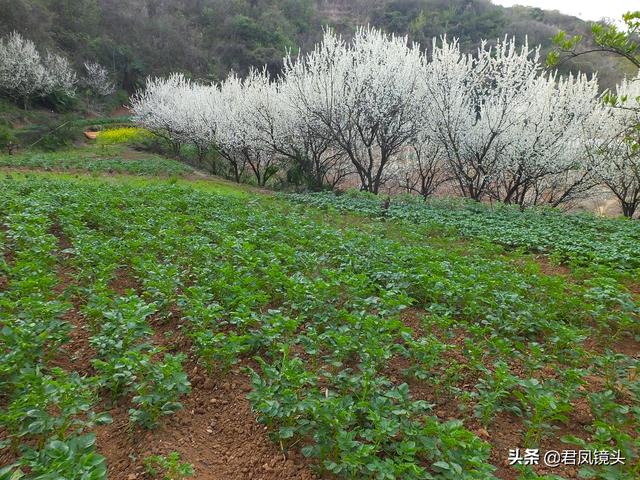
236,172
629,208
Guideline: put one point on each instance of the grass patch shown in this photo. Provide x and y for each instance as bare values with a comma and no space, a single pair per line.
97,159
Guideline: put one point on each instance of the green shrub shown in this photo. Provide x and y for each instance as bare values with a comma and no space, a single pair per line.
53,134
58,138
8,141
60,102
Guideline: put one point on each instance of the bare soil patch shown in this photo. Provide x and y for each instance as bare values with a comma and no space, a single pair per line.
216,432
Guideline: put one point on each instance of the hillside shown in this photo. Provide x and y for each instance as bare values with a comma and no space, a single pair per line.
207,38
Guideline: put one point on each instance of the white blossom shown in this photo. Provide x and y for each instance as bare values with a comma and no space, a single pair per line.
614,145
96,78
476,105
494,122
24,74
544,161
362,95
161,108
60,75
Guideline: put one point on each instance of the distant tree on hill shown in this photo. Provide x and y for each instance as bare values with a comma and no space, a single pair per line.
24,74
97,80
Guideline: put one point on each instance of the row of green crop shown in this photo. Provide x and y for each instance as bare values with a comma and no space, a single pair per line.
242,294
121,334
320,310
50,411
50,414
579,239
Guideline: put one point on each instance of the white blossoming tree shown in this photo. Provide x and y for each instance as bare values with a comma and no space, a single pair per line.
544,161
60,75
25,75
313,160
245,125
362,96
22,74
493,123
97,79
614,146
422,168
162,108
476,105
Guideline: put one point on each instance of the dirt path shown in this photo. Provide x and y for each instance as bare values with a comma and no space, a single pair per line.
216,432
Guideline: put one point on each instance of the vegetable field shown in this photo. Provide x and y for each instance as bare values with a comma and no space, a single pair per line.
249,336
581,240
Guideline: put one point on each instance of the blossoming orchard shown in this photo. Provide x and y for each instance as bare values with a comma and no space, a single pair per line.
493,125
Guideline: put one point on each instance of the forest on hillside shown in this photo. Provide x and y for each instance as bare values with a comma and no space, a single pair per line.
208,38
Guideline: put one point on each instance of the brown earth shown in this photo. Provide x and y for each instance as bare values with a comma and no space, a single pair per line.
121,111
216,432
550,268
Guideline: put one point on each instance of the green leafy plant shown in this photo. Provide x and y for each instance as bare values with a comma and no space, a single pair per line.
544,404
71,458
339,309
493,392
167,467
158,390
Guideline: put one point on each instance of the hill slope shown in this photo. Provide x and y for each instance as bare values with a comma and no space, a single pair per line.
135,38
